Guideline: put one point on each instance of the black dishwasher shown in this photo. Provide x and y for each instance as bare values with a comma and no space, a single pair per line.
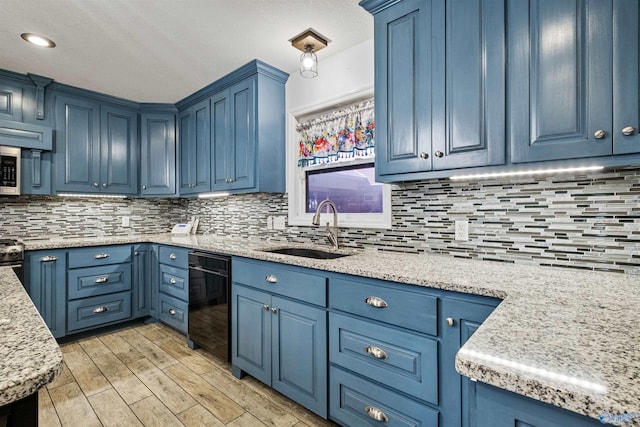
209,310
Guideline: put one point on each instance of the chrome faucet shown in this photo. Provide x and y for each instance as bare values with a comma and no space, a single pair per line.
332,232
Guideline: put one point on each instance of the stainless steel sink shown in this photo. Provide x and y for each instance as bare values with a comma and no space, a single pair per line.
306,253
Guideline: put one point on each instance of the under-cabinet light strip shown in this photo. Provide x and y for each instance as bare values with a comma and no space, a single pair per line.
103,196
212,195
527,172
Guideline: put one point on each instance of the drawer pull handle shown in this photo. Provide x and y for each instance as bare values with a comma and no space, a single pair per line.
100,310
101,256
376,414
172,256
376,352
102,280
172,312
48,258
172,281
376,302
271,278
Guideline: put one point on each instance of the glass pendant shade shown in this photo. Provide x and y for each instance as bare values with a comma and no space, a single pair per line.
308,63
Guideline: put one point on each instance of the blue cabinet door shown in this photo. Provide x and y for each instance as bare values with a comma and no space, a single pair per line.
10,102
559,79
501,408
154,277
141,286
468,94
119,150
46,273
220,141
251,332
195,146
460,319
157,154
77,145
299,337
403,60
626,88
233,136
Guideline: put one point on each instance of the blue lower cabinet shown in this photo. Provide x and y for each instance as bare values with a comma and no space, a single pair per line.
94,281
280,341
141,281
404,361
500,408
45,280
173,312
358,402
98,311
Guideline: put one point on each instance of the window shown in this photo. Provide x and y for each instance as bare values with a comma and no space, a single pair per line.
331,154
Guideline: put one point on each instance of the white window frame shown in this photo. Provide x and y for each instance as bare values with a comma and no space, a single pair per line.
296,176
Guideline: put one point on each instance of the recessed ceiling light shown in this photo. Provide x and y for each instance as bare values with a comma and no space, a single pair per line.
37,40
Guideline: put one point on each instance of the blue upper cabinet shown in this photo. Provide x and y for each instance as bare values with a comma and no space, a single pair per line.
195,149
440,83
96,147
157,154
233,137
10,102
626,91
560,79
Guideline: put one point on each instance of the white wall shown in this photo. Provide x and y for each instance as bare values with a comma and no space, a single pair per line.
339,75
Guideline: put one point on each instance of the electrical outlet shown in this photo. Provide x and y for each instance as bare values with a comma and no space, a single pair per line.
278,223
269,222
125,221
462,231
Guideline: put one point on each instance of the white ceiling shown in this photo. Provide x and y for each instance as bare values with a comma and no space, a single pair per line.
164,50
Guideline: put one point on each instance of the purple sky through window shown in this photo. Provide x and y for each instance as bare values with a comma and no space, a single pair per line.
353,190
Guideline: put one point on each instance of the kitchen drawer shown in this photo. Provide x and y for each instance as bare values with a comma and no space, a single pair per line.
95,311
99,255
276,279
174,256
351,396
173,312
402,360
174,281
94,281
405,308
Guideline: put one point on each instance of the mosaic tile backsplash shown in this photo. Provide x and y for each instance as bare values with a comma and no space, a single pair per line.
578,221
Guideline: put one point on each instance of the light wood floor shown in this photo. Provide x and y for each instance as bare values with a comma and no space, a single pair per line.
147,376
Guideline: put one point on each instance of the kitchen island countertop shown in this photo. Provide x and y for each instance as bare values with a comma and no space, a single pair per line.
30,357
567,337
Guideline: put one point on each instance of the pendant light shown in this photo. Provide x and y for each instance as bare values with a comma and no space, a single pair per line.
309,42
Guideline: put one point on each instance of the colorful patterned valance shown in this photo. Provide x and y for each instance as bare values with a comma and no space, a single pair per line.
342,134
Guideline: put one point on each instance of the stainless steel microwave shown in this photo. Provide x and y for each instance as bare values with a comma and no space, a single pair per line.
9,171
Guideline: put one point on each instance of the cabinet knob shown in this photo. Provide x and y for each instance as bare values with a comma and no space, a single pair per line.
450,321
376,352
438,153
100,310
172,256
95,184
102,280
599,134
271,278
376,414
265,307
136,253
144,187
274,310
172,312
424,155
376,302
104,185
48,258
628,130
172,281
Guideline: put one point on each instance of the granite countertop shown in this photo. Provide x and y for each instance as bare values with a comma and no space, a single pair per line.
29,355
567,337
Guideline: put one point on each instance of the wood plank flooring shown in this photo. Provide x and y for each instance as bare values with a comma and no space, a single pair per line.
146,375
